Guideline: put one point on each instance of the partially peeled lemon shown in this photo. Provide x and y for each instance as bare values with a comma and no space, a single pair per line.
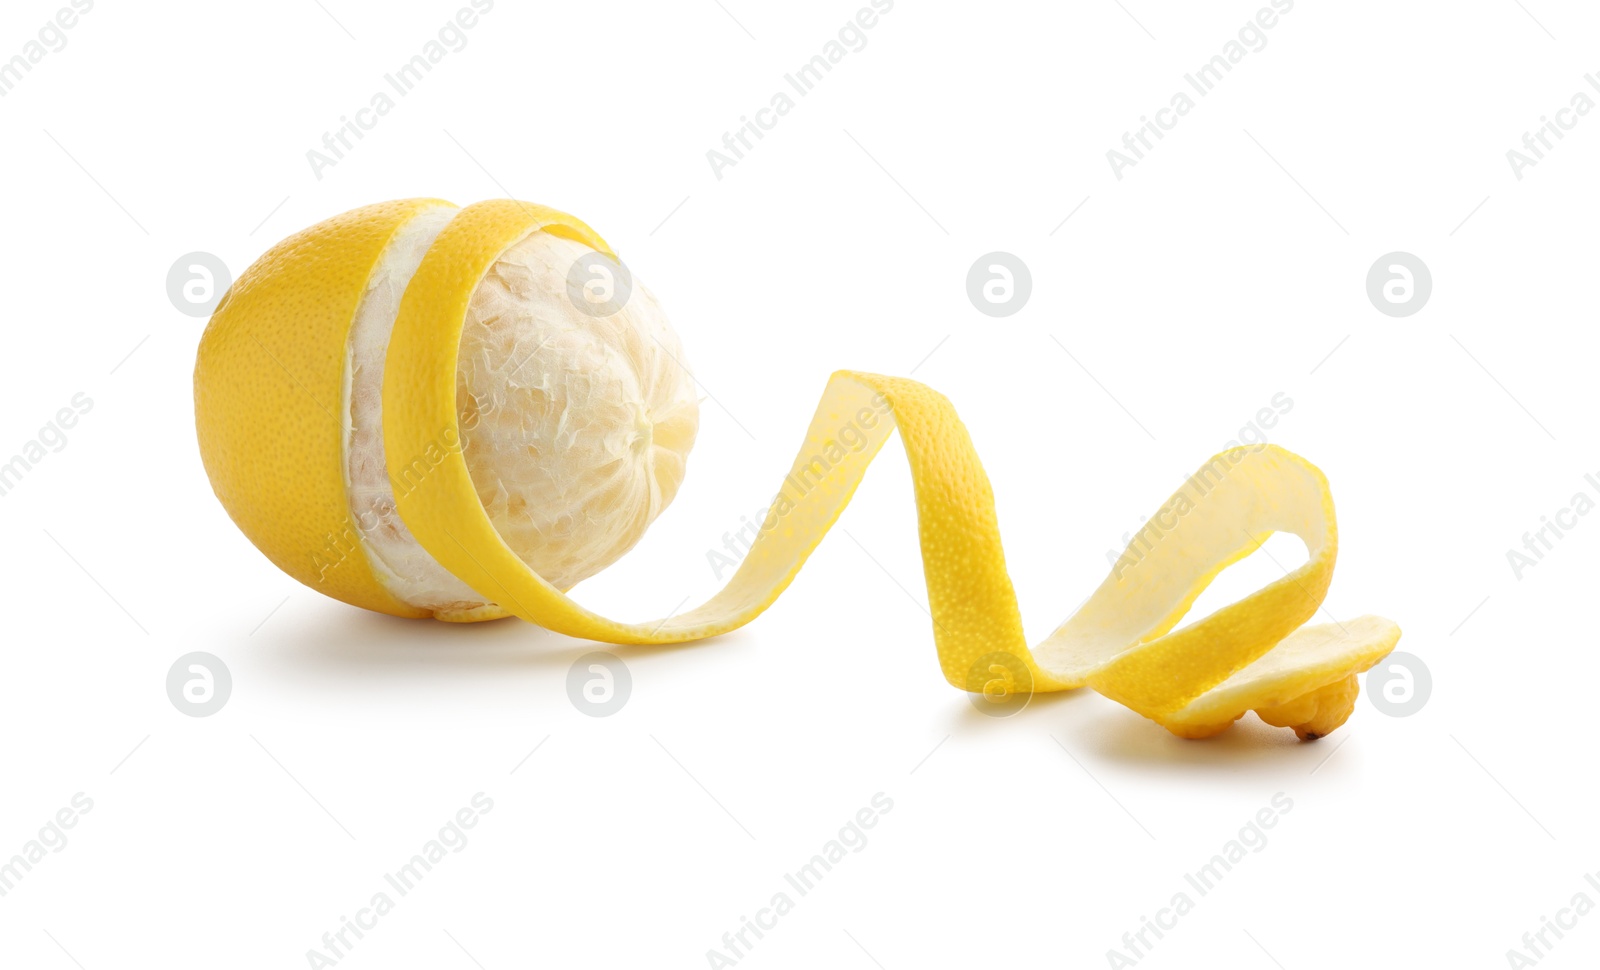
426,410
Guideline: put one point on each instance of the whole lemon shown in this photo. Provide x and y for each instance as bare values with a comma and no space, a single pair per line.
573,409
460,413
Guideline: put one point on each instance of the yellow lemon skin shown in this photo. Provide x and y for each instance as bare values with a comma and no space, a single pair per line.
268,395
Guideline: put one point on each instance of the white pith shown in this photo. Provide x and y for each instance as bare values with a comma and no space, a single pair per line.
575,428
401,564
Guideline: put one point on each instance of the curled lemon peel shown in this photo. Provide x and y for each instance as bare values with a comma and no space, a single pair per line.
1254,654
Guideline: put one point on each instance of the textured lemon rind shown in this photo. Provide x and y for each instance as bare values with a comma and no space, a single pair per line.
1254,654
268,384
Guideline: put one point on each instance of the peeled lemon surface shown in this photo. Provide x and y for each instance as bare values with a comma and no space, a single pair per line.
425,411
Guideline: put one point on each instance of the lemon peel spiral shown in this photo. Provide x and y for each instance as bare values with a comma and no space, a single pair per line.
278,394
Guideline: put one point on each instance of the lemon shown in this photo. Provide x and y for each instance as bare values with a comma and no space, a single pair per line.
426,411
575,428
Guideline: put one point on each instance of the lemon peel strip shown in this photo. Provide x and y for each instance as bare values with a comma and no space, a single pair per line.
1252,654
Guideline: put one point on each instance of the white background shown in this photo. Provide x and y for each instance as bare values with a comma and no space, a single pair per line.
1223,269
